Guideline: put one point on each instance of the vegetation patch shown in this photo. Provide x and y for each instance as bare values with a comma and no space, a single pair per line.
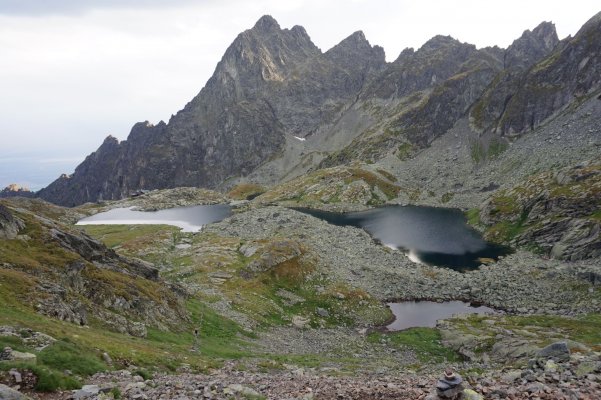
424,342
538,329
496,147
66,355
387,175
477,151
46,379
404,151
389,189
446,197
473,216
246,191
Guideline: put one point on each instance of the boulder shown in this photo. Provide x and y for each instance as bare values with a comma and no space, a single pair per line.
244,391
588,367
558,351
86,392
9,224
300,322
9,354
6,393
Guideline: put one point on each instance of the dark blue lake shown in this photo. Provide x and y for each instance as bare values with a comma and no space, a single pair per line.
429,235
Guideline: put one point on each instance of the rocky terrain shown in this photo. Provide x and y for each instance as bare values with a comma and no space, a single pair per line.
68,275
297,301
555,212
274,303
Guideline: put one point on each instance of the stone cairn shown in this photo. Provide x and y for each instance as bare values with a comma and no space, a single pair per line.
450,386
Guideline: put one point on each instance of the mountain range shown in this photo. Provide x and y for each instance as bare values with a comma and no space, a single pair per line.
277,107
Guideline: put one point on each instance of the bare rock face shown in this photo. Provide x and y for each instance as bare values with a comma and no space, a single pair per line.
529,49
269,83
9,224
541,77
422,94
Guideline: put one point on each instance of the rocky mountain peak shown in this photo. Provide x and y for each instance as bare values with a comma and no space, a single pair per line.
110,139
13,187
438,43
591,23
265,51
356,50
356,38
531,46
547,34
266,24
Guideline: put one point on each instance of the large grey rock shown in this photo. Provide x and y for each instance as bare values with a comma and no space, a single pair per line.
86,392
6,393
558,351
556,219
9,354
9,224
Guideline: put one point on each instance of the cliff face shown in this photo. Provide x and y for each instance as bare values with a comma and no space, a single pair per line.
274,83
541,77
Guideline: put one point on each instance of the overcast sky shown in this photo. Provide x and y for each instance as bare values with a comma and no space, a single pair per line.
74,71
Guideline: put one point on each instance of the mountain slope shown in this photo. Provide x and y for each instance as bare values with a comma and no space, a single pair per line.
521,102
270,82
60,272
276,107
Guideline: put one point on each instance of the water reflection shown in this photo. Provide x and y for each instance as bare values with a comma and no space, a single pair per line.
430,235
190,219
411,314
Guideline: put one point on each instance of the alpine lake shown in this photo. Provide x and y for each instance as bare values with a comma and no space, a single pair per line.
432,236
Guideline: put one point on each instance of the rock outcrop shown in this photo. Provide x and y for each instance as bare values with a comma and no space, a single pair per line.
63,273
557,213
530,48
9,224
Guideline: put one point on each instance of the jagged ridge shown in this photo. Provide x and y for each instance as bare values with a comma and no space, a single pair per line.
273,83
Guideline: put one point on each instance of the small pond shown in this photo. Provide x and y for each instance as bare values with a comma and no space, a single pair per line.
190,219
411,314
429,235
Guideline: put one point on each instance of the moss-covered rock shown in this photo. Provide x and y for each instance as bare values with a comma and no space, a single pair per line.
552,212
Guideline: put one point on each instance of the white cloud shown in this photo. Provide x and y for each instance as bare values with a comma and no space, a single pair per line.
74,74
